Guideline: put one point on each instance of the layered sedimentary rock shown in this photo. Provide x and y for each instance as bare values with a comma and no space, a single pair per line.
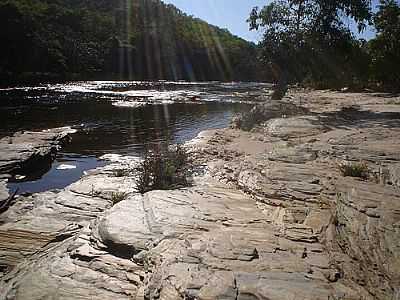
29,150
368,230
4,193
35,222
270,216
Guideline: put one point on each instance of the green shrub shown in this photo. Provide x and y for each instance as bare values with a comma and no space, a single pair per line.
121,172
164,167
117,197
279,92
249,120
354,169
264,112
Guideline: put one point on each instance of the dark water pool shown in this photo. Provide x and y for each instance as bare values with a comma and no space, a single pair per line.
118,117
66,169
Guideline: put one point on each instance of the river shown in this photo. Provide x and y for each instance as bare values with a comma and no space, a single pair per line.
119,117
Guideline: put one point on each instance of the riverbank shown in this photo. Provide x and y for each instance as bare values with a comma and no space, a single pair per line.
28,154
270,215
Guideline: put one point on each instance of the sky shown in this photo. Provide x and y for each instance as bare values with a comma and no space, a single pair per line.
230,14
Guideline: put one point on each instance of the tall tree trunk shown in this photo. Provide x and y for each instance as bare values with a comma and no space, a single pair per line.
281,83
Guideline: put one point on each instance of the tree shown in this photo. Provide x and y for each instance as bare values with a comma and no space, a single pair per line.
109,39
385,48
307,39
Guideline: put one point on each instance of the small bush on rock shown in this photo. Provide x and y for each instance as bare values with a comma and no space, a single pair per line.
249,120
121,172
266,111
117,197
354,169
279,92
164,167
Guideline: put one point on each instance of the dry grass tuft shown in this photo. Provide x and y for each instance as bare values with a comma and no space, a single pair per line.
355,169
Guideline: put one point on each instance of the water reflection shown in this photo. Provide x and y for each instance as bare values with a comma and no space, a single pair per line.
57,178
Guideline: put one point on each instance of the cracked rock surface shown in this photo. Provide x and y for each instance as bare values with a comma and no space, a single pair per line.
269,216
26,150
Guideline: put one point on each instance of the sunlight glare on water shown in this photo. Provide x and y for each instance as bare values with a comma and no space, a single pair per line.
120,117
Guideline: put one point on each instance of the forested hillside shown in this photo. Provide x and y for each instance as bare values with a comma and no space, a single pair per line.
116,39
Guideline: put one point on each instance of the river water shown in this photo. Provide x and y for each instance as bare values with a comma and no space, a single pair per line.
118,117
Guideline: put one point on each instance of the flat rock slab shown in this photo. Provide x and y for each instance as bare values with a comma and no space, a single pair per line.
26,149
199,243
294,127
4,192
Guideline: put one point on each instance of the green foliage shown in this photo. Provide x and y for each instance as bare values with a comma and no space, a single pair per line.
164,167
385,48
359,170
117,197
121,172
247,121
307,40
127,39
264,112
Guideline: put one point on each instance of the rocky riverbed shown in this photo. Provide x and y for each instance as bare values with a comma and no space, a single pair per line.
269,216
29,153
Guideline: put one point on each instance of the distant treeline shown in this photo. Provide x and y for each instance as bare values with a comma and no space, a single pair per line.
46,40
